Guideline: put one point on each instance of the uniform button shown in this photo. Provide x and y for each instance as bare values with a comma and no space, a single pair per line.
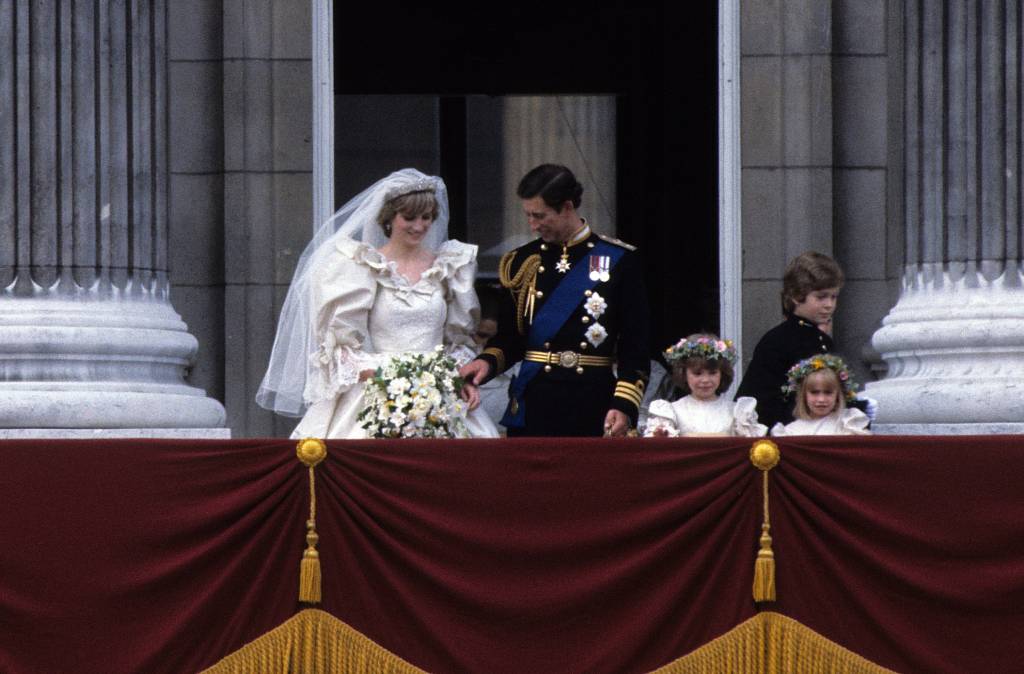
590,245
540,269
543,246
547,368
547,345
586,319
583,346
539,293
579,370
588,293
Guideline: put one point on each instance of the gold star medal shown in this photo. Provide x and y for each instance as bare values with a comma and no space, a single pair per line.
562,266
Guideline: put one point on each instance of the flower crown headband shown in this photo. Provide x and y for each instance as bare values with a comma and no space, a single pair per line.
808,366
708,348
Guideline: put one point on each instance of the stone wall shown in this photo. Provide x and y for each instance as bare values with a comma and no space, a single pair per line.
241,185
820,109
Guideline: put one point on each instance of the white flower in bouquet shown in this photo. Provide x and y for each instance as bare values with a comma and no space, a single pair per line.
398,386
415,396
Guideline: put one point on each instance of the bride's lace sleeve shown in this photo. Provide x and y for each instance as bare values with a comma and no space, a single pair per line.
343,291
459,262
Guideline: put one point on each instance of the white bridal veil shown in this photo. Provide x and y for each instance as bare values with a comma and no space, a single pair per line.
285,380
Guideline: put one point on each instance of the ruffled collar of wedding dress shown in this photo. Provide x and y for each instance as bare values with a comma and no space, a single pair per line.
451,256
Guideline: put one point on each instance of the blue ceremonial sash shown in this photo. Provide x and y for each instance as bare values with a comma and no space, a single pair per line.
562,301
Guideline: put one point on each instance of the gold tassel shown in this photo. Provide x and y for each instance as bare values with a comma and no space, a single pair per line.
764,567
310,451
764,454
309,569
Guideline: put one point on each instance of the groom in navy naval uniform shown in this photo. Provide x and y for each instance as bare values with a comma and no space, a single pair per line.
575,316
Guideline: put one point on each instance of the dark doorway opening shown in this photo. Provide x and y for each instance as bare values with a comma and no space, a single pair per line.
659,59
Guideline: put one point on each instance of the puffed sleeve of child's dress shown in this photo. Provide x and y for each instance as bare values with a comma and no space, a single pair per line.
456,265
661,417
854,422
343,288
745,422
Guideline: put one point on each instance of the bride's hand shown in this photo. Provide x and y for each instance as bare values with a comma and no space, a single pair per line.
365,374
471,394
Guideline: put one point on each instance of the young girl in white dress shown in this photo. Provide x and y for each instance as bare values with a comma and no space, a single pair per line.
823,385
707,363
380,278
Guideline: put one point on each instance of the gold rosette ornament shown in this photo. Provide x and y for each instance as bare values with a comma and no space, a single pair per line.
764,454
310,452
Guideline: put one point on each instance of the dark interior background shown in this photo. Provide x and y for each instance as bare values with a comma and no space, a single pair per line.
658,58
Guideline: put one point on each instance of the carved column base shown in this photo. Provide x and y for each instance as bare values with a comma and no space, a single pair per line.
954,346
87,362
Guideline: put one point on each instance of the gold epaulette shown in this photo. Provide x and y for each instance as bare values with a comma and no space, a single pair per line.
521,284
617,242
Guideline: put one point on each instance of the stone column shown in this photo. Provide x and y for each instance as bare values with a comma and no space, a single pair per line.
954,342
88,336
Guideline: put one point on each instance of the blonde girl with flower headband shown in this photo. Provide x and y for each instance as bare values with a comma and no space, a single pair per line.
703,366
823,386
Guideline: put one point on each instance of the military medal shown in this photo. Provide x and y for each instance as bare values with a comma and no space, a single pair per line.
600,268
562,266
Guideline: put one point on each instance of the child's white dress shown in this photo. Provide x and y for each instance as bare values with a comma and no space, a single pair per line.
851,421
689,416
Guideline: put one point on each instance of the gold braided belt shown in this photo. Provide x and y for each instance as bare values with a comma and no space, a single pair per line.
567,359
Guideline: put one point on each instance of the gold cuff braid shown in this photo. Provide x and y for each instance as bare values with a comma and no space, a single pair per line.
498,356
630,392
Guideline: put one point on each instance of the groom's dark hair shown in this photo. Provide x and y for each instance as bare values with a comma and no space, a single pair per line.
553,183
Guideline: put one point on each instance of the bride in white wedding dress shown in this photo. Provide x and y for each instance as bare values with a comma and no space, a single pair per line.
379,278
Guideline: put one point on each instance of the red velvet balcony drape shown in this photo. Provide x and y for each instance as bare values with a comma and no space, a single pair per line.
510,555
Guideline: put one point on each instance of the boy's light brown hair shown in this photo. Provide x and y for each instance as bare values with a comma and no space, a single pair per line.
807,272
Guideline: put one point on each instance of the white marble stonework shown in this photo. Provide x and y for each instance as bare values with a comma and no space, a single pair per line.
88,337
114,433
954,342
83,362
955,353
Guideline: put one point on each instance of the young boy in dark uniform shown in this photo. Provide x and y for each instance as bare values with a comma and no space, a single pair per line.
810,292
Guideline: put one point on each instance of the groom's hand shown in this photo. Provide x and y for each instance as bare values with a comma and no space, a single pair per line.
615,424
475,371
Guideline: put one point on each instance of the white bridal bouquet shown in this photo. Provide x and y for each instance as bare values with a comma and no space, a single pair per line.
415,395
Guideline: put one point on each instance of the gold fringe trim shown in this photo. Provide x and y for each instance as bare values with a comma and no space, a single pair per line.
771,642
310,452
313,642
764,454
